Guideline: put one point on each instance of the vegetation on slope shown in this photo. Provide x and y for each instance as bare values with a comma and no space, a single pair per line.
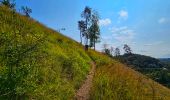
116,81
152,67
37,62
166,61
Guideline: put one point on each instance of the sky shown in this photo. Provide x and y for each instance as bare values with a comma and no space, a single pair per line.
142,24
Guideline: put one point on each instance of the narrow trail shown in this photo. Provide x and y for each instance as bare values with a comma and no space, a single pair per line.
83,92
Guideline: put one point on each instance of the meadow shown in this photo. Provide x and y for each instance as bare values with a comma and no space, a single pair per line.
115,81
39,63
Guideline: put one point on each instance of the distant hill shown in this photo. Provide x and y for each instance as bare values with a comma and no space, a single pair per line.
156,69
167,60
141,61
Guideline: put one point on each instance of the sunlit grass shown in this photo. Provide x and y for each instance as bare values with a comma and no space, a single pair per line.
37,62
115,81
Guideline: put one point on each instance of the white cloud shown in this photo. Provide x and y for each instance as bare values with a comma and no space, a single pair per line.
163,20
123,34
143,51
123,14
105,22
154,44
148,44
106,38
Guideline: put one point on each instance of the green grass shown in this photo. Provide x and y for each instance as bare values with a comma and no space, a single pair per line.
115,81
37,62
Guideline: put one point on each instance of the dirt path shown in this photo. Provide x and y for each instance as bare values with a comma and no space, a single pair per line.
83,92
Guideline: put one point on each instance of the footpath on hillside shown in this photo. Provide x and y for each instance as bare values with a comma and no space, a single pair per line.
83,92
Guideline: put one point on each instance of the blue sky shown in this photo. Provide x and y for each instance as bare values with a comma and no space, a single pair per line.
143,24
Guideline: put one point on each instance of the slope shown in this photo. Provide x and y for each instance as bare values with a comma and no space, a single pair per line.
115,81
39,63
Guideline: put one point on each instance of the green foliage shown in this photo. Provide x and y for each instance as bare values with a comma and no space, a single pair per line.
86,14
82,28
94,29
37,62
8,3
166,62
26,11
149,66
127,49
107,52
90,27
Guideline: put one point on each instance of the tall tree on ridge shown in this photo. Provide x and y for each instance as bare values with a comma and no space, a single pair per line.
81,27
112,50
94,30
117,52
26,11
127,49
86,14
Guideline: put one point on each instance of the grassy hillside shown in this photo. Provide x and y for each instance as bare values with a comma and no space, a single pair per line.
115,81
39,63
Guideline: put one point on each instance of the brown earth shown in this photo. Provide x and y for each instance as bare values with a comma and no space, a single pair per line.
83,92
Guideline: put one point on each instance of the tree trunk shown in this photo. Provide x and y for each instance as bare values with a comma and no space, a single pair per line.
94,45
86,33
86,37
86,43
80,37
86,47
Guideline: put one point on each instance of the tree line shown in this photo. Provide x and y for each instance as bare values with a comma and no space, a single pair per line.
116,51
12,4
89,27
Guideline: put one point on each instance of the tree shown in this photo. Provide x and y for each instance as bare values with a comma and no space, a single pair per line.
26,11
105,46
106,50
89,28
86,14
94,30
111,50
82,28
117,52
8,3
127,49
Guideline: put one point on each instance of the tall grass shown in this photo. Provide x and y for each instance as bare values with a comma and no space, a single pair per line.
115,81
37,62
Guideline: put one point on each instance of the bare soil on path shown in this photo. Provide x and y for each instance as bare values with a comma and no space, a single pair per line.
83,92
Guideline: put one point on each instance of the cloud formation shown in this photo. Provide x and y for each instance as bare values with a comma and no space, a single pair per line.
143,51
163,20
123,34
105,22
123,14
148,44
154,43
